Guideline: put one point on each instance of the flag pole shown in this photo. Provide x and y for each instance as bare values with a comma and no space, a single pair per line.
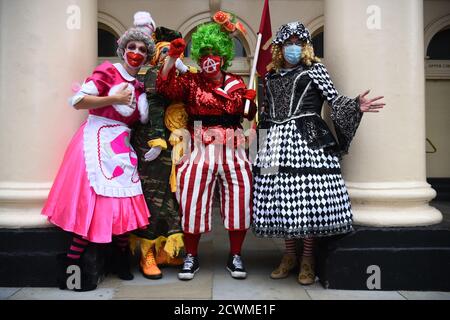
253,72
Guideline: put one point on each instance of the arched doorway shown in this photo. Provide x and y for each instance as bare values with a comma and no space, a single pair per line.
107,41
109,30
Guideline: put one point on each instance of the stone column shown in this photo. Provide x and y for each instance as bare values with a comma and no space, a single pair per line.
46,46
378,45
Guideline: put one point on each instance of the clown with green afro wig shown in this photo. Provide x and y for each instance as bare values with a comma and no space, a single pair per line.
214,101
209,38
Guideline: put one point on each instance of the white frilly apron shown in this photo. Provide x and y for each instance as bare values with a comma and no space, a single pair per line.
111,162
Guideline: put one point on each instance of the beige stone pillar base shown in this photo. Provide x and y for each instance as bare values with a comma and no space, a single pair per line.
392,204
21,205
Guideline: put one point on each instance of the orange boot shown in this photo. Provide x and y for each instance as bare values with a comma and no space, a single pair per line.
148,265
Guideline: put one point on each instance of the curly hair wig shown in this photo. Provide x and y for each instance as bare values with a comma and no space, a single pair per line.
210,36
135,34
307,59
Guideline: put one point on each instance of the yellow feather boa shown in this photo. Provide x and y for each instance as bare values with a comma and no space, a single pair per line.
172,245
176,120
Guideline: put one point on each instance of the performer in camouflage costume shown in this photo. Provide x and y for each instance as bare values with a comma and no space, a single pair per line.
161,243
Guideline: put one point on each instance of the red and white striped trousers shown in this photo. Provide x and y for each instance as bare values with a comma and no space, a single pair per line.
197,174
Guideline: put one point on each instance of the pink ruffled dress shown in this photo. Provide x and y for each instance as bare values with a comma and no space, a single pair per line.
97,192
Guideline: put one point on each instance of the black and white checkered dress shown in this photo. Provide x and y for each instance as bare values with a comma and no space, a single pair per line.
298,188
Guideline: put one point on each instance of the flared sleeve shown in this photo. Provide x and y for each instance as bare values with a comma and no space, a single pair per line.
345,112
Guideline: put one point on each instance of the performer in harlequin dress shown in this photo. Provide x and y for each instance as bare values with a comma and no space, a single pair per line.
214,101
161,243
97,193
299,192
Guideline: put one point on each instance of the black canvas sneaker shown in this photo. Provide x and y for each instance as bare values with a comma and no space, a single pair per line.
190,267
236,267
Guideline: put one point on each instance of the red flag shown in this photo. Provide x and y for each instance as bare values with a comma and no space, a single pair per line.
265,29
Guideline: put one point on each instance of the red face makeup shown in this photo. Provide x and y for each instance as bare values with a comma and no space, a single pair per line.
210,65
135,54
135,60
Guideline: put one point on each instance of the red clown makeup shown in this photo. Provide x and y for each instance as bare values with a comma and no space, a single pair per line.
134,60
135,55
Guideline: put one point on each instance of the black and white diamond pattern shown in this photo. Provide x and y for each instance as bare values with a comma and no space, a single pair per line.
289,29
285,147
319,75
295,205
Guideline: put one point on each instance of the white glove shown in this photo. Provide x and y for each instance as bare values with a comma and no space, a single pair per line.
181,66
152,154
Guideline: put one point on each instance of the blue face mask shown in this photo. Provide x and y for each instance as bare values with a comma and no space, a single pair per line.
292,53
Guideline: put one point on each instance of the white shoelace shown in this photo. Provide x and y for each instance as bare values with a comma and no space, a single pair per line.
188,263
237,262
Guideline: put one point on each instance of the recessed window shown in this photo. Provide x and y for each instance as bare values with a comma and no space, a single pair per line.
239,48
317,41
439,47
107,41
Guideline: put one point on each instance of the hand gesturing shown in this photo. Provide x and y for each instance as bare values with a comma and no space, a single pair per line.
368,105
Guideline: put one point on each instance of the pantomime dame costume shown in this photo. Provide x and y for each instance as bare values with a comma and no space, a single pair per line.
97,193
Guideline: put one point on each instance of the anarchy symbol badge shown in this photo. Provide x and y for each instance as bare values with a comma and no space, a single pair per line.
210,66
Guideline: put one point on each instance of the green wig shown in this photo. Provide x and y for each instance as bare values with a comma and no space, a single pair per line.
211,36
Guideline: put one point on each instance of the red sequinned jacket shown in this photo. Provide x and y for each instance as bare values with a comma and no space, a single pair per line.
205,100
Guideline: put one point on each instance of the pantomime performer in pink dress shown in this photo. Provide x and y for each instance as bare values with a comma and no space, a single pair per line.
97,193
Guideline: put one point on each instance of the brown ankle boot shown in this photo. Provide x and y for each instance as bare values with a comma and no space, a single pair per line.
288,262
307,273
